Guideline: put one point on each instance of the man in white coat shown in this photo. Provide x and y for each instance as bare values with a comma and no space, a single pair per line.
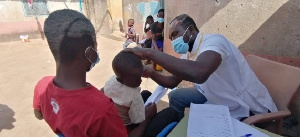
218,69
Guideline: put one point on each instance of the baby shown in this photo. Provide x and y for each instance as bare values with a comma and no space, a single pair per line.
124,88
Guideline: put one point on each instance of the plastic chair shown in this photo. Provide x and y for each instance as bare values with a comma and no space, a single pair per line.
282,82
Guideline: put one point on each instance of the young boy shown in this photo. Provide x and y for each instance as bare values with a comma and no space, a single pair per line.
70,105
130,34
124,88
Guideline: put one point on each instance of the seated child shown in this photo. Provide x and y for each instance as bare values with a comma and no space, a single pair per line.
124,88
130,34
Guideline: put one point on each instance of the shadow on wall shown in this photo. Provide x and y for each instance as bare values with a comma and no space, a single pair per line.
121,26
279,35
102,21
201,12
100,16
6,117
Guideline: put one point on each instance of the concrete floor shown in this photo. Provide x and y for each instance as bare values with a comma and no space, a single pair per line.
23,64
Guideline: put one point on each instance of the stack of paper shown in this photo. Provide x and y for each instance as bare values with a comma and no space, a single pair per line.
207,120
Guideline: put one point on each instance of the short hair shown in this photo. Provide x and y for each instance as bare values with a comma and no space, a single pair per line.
126,61
161,10
130,20
149,17
185,21
68,33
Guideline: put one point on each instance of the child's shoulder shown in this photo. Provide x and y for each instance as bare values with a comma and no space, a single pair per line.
45,80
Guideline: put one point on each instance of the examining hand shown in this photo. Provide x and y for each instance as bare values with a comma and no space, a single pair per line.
141,52
150,110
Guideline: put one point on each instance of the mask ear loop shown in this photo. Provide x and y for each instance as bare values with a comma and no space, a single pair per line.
190,38
185,31
86,52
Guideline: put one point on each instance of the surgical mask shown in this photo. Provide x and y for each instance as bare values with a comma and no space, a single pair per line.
179,45
92,63
160,20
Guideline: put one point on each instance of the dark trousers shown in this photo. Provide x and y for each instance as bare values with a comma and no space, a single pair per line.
160,120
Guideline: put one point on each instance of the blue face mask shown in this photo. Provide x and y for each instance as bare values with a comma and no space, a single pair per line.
179,45
160,20
97,60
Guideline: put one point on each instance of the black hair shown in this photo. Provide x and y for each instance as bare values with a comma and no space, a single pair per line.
130,20
185,21
147,29
149,17
68,33
125,62
161,10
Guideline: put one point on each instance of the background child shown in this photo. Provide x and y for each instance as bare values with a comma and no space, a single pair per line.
130,34
124,88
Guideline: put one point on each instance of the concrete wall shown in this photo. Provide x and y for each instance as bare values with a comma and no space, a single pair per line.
116,9
112,15
139,10
262,27
107,16
270,29
13,21
99,14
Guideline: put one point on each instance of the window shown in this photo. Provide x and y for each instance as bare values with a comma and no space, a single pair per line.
35,8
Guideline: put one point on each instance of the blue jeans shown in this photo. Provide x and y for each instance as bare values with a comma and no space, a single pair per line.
183,97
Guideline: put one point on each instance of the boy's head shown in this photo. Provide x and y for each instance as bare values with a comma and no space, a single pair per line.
71,37
149,19
128,69
130,22
160,13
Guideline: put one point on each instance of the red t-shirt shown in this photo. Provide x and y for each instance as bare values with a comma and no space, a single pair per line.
85,112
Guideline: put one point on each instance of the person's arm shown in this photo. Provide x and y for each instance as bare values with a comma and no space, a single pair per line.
38,114
165,81
154,41
150,111
37,101
145,29
195,71
149,35
152,28
132,34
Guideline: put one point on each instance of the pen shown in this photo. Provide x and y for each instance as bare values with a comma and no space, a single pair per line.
247,135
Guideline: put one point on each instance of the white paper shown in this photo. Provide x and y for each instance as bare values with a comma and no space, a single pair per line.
158,93
142,41
241,129
207,120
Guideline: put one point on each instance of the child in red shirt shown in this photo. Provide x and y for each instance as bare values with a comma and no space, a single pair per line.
70,105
